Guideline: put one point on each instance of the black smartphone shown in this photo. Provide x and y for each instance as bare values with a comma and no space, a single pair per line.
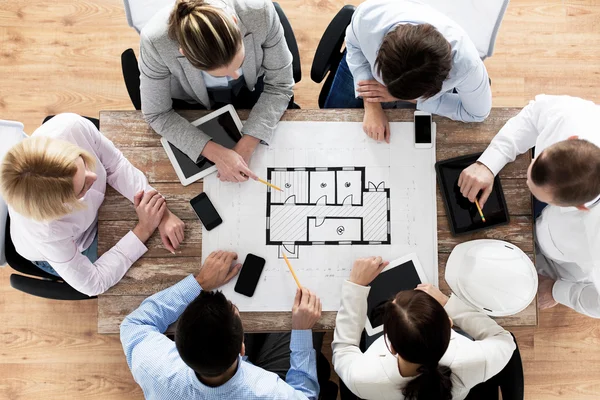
249,275
423,139
206,211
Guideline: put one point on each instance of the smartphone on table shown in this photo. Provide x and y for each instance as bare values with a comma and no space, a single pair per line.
205,210
423,137
249,275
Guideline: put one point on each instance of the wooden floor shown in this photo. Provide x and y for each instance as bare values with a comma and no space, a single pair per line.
64,56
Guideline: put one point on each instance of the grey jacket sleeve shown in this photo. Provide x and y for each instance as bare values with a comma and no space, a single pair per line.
157,106
278,80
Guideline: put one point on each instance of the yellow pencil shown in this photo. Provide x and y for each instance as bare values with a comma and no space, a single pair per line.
479,209
292,270
270,185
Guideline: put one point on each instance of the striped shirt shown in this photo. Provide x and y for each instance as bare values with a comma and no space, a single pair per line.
161,373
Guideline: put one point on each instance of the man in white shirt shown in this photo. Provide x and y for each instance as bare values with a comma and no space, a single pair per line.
565,174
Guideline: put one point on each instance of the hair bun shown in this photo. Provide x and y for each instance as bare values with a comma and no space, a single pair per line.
186,7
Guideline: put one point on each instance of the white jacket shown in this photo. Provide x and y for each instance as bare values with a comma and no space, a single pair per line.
375,375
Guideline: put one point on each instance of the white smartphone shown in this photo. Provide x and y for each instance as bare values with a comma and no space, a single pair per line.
423,131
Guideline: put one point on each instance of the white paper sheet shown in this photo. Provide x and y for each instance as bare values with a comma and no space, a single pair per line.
339,157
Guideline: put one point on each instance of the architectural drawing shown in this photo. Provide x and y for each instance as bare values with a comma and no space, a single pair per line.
325,206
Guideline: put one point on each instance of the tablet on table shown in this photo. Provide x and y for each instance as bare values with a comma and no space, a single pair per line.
223,126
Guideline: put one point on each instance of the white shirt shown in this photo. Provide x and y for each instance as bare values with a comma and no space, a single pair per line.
211,81
373,19
568,237
60,242
375,374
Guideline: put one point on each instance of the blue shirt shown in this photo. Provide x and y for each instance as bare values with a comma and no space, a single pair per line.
159,370
373,19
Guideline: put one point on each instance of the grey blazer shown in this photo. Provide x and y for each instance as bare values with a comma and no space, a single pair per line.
166,74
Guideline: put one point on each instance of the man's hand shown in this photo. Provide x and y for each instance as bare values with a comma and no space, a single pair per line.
545,299
218,269
171,231
433,292
366,269
375,123
246,146
372,91
230,164
150,208
474,178
306,311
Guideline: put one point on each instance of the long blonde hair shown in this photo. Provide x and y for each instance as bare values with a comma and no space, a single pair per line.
207,35
36,177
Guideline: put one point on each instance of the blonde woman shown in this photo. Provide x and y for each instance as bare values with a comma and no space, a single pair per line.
54,183
211,53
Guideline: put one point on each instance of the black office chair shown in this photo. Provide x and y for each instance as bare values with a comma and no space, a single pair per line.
330,51
131,72
49,286
510,380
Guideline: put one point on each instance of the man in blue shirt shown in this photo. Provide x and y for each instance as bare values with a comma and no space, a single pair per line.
404,51
207,359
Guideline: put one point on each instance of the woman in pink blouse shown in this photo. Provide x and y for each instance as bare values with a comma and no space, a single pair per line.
54,183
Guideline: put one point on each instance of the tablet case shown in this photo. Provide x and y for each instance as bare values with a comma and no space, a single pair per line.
447,194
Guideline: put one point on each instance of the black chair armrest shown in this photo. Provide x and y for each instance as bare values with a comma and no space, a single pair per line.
290,39
131,76
328,52
46,289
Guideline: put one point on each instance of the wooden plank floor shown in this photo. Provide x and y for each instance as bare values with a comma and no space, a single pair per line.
64,56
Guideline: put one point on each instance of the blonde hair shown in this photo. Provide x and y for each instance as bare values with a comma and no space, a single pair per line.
36,177
208,37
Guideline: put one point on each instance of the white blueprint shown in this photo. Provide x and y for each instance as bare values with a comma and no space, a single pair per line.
334,209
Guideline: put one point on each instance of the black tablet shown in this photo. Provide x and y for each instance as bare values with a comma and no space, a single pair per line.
463,215
404,273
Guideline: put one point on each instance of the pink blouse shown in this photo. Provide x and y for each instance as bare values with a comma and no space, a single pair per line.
61,242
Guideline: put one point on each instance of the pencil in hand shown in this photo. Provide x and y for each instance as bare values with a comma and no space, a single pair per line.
269,184
479,209
291,270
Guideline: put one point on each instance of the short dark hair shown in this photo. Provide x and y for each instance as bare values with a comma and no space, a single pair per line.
571,169
209,334
418,328
414,61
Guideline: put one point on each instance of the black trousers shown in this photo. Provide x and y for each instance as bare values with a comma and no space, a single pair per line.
271,351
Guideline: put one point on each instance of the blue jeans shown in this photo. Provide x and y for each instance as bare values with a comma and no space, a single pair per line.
91,253
342,93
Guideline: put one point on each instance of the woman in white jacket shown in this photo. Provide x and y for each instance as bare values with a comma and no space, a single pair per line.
419,356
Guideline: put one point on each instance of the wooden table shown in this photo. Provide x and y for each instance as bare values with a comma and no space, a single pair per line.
159,269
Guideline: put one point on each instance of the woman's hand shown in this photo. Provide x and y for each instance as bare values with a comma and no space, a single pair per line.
171,231
433,292
375,123
150,208
365,270
231,166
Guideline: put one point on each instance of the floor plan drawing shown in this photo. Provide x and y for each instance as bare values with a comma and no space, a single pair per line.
325,206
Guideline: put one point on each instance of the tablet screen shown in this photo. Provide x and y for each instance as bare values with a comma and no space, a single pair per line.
385,287
463,214
222,129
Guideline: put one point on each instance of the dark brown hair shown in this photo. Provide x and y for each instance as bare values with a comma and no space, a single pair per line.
418,328
571,169
208,37
209,334
414,61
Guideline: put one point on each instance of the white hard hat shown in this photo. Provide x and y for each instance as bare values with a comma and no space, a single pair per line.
492,276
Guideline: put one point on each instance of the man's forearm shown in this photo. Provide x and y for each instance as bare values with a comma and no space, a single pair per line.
302,375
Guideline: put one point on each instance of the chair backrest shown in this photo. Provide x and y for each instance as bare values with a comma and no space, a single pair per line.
139,12
481,19
11,133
